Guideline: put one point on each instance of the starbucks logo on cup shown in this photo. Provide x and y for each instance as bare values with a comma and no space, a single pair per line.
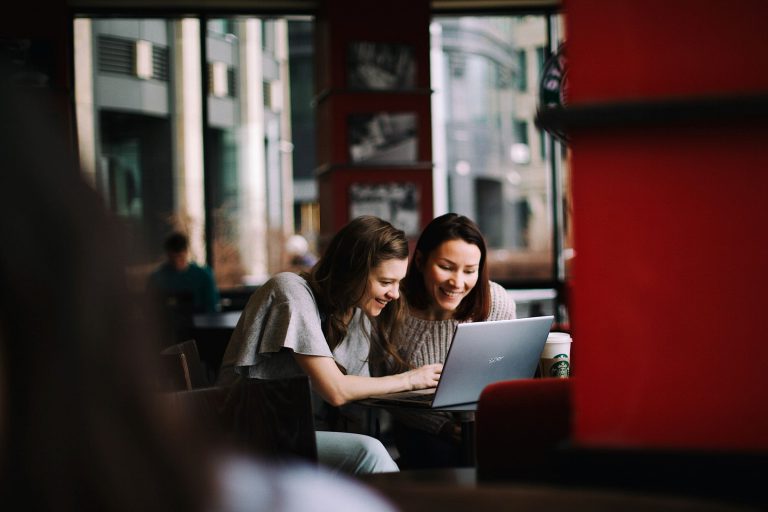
560,366
555,356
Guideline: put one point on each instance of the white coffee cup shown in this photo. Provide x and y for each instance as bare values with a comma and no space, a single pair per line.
556,356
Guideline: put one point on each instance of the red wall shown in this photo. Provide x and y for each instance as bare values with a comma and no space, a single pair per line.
660,48
670,229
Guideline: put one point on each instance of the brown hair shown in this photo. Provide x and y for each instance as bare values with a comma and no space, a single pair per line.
476,306
339,281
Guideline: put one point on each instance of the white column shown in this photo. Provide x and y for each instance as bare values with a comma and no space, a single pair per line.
188,134
252,172
85,110
439,155
286,137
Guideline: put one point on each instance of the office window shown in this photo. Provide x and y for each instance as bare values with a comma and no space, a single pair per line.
541,57
490,172
204,149
520,152
522,69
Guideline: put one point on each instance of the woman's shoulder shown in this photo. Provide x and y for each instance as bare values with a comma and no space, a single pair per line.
503,306
288,279
414,323
281,288
497,289
287,283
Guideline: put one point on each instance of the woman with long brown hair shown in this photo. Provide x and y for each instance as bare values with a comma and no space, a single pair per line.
447,283
334,324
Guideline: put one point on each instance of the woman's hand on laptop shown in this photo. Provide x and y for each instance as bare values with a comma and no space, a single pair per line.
425,376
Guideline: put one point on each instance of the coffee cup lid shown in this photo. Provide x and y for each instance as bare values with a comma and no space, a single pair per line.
559,337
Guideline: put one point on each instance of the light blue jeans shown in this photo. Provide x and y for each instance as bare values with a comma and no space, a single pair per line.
344,452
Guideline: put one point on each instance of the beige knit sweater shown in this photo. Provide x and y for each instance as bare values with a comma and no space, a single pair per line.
429,341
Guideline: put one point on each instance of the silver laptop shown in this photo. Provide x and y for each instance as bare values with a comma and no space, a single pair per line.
481,353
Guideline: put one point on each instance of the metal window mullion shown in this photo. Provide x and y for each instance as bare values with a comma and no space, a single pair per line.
558,266
207,154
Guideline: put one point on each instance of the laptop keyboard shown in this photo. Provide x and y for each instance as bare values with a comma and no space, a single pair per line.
424,396
417,397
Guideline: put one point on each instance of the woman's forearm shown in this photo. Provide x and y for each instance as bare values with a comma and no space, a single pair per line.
338,389
354,387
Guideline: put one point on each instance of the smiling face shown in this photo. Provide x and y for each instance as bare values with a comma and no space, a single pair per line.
450,272
383,285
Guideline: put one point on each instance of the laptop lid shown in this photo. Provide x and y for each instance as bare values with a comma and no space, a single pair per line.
485,352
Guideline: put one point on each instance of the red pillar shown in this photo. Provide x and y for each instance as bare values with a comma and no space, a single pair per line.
670,219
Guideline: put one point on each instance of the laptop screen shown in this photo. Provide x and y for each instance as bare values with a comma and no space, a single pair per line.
485,352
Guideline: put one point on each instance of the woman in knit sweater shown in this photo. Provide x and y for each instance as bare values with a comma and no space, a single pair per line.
447,283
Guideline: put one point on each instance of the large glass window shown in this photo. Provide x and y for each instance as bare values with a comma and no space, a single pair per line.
206,125
498,168
188,124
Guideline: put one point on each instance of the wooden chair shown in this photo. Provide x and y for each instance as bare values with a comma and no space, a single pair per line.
182,367
268,418
174,372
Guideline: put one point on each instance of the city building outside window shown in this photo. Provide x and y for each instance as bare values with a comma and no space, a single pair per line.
226,151
208,150
497,168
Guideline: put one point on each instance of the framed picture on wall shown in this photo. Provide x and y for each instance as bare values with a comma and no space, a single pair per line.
382,137
397,203
380,66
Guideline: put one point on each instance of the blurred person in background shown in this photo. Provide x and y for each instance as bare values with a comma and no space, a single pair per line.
179,275
300,258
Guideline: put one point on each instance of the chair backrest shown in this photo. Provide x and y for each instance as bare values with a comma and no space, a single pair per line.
520,422
183,367
269,418
175,372
274,417
211,344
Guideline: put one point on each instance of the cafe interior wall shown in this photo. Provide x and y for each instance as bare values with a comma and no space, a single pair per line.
669,191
